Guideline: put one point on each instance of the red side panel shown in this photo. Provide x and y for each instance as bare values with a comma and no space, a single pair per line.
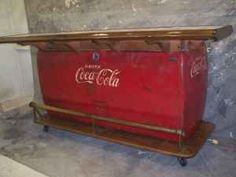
146,87
195,81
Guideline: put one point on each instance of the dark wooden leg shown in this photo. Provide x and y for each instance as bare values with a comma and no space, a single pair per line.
45,128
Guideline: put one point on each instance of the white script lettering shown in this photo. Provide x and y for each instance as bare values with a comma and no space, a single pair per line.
101,77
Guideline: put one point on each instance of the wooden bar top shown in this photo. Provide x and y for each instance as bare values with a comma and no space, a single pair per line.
214,33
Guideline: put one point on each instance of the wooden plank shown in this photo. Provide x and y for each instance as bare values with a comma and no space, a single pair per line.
187,149
171,33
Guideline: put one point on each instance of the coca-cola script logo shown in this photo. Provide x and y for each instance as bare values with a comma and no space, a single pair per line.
95,74
198,65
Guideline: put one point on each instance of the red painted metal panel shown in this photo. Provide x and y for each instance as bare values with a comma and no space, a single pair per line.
157,88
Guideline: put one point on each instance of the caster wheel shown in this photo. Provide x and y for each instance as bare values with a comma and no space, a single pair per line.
182,161
45,128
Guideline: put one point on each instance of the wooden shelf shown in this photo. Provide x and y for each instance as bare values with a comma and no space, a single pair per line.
170,33
187,149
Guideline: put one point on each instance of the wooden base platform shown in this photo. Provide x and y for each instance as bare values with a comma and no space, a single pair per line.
187,149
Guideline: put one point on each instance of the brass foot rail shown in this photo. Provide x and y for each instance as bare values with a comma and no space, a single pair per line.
37,106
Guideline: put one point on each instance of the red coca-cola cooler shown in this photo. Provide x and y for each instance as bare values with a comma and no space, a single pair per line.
140,87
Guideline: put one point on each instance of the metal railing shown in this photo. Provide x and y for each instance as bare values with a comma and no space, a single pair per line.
37,107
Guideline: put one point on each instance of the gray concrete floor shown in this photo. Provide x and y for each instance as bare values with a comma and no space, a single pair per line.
62,154
11,168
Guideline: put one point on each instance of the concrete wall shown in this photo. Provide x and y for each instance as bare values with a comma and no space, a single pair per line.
16,81
71,15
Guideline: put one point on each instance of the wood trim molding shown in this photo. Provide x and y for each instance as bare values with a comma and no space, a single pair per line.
171,33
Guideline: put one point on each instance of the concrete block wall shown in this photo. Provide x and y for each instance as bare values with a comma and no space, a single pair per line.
72,15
